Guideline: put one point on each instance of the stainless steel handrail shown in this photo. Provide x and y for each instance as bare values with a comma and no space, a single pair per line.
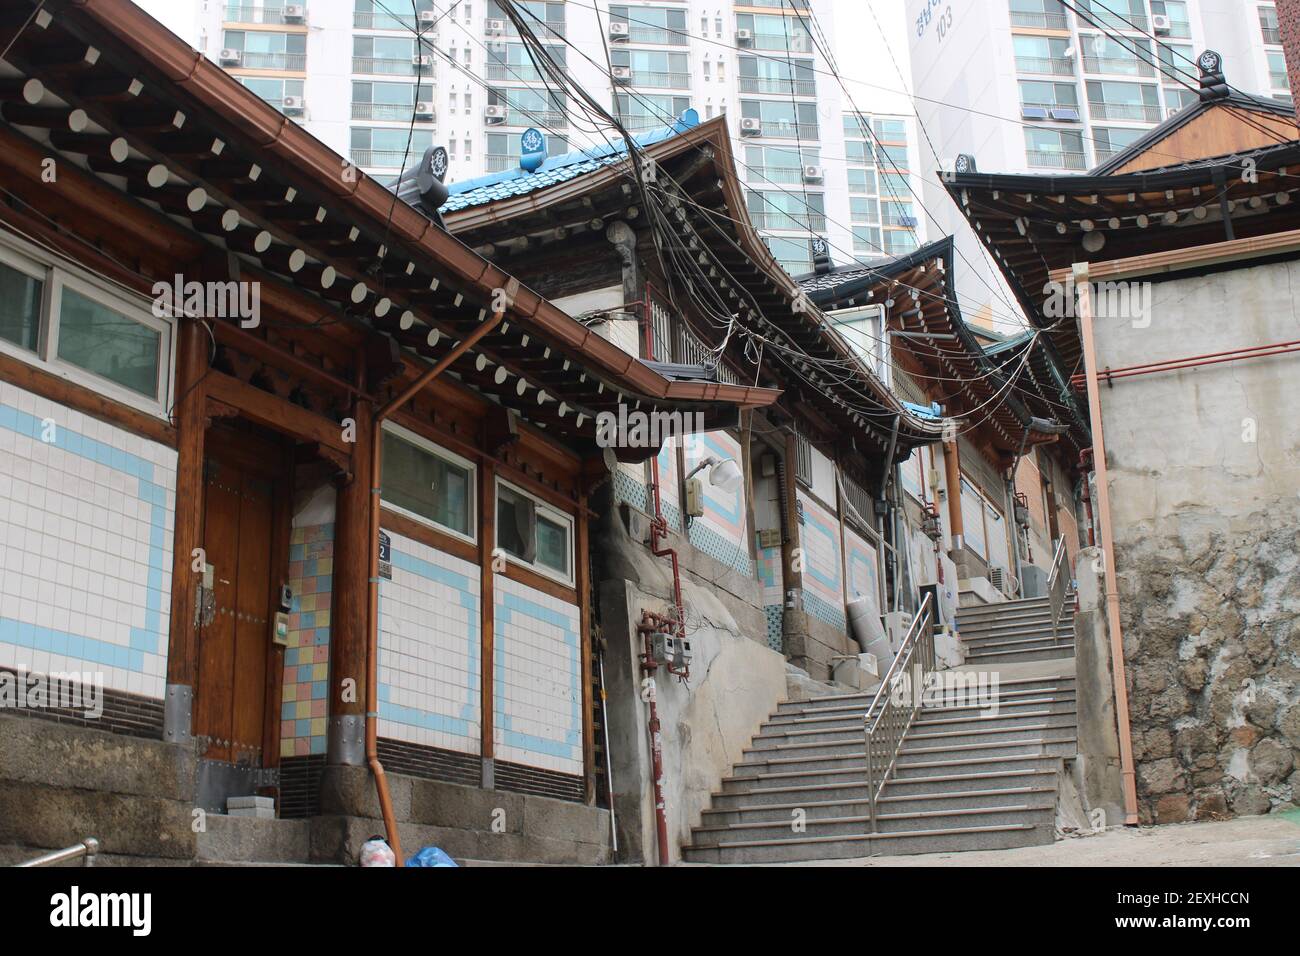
1057,585
87,849
884,734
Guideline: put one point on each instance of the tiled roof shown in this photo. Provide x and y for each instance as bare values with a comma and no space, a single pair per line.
515,182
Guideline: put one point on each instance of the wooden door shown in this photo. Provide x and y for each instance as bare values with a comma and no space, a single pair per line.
230,706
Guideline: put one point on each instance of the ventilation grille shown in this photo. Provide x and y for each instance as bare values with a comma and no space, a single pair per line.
300,786
516,778
128,714
432,763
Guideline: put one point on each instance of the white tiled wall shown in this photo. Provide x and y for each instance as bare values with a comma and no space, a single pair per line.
86,519
537,679
430,649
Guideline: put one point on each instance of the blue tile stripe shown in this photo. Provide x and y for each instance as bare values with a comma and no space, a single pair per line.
571,746
148,639
458,725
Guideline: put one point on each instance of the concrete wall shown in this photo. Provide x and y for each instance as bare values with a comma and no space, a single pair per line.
1204,475
736,680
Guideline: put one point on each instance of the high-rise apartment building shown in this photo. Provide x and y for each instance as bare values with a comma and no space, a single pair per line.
355,74
1062,85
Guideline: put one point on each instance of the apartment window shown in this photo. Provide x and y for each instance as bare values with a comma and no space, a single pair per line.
1177,98
864,209
863,330
1176,62
898,213
892,156
781,210
387,147
653,24
427,483
1054,149
273,91
1045,96
381,15
778,165
1268,25
83,330
1128,102
862,180
533,533
857,151
1043,55
866,239
853,127
388,101
788,34
510,61
526,107
793,255
1126,15
1129,57
899,242
389,55
649,110
890,130
782,77
1277,72
655,68
503,149
544,19
1109,141
1176,10
1039,14
262,50
782,120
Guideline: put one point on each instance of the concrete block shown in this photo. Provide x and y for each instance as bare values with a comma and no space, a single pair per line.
61,755
249,803
56,817
350,791
254,813
470,808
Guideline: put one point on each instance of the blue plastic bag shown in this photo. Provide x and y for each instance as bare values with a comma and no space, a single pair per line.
430,856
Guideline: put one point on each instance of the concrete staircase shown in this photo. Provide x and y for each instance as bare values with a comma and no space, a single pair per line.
969,777
1015,631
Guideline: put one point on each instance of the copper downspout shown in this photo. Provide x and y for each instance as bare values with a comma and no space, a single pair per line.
372,599
1127,773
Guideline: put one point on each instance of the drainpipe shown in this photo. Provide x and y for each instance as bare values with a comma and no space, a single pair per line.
372,601
1127,773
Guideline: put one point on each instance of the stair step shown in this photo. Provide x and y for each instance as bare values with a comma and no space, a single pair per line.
839,848
1032,797
1012,657
1011,642
848,787
933,720
840,700
772,733
891,822
924,769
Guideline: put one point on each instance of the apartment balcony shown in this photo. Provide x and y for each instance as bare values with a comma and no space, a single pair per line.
516,72
639,33
799,222
388,66
1278,80
296,62
1041,112
637,124
1105,152
249,13
1121,65
499,162
1271,34
395,112
1118,20
659,81
392,21
895,219
384,158
759,84
1182,30
1040,21
782,175
545,119
1056,159
1053,65
1127,112
783,129
781,43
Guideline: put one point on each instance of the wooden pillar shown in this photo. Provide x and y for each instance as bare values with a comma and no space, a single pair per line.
487,537
346,743
952,474
790,548
582,580
190,417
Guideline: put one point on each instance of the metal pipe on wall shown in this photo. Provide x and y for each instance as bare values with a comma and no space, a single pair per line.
1127,771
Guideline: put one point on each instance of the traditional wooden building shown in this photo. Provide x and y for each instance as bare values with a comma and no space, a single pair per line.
301,480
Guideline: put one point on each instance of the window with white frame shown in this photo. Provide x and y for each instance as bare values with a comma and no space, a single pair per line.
534,534
427,483
83,329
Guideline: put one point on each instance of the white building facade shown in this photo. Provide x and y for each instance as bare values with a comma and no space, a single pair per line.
353,72
1046,85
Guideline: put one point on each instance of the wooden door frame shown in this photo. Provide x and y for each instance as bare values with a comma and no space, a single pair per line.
274,462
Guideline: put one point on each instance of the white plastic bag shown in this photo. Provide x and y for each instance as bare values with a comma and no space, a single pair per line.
377,852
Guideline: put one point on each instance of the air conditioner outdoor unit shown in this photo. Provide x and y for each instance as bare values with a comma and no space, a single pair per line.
494,114
424,110
231,56
494,27
618,31
292,104
744,37
428,16
621,74
294,13
751,127
422,59
1160,23
812,174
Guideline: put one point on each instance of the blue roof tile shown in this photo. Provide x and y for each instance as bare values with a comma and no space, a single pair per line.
516,182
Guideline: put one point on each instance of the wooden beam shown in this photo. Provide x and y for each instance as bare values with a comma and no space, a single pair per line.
278,414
